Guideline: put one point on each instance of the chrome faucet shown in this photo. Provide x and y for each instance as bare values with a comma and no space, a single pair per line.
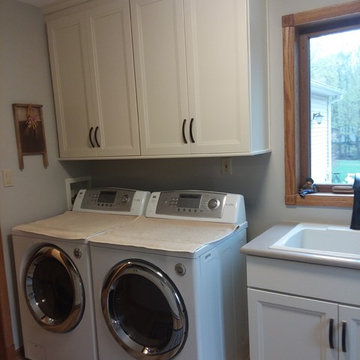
355,218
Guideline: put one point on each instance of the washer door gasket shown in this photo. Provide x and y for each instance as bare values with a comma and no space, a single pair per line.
144,310
54,289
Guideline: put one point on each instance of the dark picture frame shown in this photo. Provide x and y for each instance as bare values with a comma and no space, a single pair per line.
30,133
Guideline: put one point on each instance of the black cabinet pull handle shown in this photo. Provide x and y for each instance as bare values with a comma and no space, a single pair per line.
90,137
343,336
183,131
96,138
191,130
331,333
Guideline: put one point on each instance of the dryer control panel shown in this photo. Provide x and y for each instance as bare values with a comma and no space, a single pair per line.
197,205
111,201
193,204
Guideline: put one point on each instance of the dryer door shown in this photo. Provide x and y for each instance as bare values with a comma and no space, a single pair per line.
54,290
144,311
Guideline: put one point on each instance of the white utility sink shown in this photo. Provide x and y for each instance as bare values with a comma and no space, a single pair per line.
321,239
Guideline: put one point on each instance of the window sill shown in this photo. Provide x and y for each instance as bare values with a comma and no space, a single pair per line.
321,199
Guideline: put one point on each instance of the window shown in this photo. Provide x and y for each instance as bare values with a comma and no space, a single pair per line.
321,53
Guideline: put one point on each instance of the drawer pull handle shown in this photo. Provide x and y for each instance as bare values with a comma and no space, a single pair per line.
96,138
191,130
343,336
183,131
331,333
90,137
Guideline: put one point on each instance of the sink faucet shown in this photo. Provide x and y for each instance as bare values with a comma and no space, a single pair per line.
355,218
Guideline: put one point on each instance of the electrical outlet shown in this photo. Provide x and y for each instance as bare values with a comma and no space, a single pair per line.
226,166
7,175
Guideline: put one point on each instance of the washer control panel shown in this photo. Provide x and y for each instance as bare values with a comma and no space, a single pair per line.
111,200
197,205
191,204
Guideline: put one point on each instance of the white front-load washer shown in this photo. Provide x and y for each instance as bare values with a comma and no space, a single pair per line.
54,274
172,285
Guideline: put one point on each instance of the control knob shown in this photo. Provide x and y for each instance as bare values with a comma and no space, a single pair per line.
213,203
125,198
180,269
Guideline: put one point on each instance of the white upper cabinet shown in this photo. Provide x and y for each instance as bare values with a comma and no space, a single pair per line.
201,78
113,79
93,78
160,63
201,70
70,73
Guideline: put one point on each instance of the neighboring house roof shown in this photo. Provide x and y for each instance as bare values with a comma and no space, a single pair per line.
318,88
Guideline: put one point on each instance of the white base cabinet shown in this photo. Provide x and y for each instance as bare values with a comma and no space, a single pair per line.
314,320
349,321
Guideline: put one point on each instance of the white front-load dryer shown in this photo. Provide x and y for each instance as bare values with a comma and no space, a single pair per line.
54,275
172,285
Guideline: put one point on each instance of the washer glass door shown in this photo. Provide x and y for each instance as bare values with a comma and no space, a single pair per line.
144,311
54,290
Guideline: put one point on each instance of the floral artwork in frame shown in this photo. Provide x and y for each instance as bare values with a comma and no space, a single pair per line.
30,134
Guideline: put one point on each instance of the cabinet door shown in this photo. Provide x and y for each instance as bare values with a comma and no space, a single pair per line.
349,333
113,79
160,64
283,327
217,63
70,73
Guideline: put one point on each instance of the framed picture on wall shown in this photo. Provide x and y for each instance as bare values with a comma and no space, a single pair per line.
30,133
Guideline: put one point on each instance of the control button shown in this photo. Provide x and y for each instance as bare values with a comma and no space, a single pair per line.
213,203
77,253
180,269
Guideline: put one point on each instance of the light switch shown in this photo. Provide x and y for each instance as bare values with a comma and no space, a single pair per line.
7,175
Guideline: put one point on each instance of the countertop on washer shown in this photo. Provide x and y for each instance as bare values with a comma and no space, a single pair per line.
260,246
74,224
167,235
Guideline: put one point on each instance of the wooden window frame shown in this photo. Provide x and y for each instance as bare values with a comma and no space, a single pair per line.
296,93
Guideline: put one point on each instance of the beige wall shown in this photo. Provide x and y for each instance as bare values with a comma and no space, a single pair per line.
40,192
